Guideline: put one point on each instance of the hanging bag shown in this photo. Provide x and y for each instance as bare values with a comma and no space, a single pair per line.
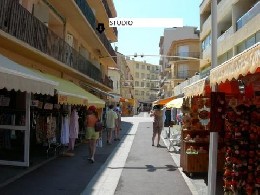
98,126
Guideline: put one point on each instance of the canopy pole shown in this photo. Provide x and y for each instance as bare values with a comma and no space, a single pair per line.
213,148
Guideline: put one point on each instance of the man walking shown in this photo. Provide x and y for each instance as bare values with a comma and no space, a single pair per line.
111,117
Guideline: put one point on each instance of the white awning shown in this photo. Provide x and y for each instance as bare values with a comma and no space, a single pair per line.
246,62
16,77
195,89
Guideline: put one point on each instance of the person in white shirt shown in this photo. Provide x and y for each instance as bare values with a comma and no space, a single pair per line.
111,117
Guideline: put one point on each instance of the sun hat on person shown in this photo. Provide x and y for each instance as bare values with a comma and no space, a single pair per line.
92,108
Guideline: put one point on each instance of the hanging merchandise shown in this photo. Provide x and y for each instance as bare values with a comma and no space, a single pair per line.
242,138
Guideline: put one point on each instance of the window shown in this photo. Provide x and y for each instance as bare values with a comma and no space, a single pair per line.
147,93
142,75
147,84
142,84
148,76
142,92
148,67
137,75
152,76
241,47
136,83
137,66
136,92
143,67
250,41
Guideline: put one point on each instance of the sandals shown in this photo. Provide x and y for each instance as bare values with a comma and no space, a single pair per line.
158,145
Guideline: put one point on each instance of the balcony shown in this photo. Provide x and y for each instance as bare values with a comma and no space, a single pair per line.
109,14
18,22
226,34
185,56
248,16
184,74
89,15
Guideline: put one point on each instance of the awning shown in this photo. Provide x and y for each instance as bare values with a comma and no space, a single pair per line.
129,100
176,103
17,77
195,89
246,62
163,101
70,93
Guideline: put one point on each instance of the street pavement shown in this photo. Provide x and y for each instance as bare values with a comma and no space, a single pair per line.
130,166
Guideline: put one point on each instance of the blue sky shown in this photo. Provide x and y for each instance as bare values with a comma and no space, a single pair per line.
146,40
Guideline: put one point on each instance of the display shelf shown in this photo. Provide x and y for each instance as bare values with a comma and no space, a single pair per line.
196,161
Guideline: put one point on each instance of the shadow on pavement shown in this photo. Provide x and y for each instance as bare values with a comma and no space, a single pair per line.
150,168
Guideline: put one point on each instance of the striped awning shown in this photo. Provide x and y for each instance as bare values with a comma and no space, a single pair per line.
244,63
14,76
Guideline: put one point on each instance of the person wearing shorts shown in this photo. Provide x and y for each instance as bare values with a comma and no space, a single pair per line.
111,117
157,123
91,135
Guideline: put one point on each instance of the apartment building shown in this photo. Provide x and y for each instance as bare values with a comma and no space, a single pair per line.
184,46
52,48
46,35
145,80
238,29
126,82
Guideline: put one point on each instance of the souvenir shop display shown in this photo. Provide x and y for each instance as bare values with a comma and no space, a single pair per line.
242,138
195,136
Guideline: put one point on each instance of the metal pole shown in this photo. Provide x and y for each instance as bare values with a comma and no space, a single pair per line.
213,148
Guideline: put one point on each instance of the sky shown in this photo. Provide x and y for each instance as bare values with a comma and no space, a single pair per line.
146,40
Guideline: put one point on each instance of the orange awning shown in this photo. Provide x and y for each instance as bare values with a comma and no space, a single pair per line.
163,101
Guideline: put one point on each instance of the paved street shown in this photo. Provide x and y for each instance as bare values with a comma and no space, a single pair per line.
131,166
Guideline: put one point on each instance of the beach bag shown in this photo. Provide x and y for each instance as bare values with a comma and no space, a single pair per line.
98,126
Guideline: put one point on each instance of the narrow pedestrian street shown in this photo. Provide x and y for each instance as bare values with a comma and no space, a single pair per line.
131,166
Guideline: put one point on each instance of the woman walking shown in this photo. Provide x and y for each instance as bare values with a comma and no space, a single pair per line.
157,113
91,134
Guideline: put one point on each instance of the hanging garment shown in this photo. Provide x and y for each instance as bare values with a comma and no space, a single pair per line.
65,130
74,124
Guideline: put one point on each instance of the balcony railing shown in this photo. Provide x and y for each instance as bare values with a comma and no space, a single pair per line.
184,74
89,15
107,81
109,14
18,22
226,34
184,56
248,16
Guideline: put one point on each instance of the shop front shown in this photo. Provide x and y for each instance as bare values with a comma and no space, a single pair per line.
16,85
238,88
